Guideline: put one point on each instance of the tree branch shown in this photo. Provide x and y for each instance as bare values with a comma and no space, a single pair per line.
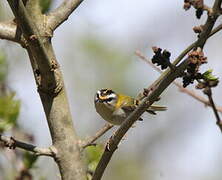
190,47
12,143
9,31
157,88
51,90
92,139
132,118
181,88
61,14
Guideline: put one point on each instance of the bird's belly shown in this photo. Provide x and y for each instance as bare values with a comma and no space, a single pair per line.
107,115
117,120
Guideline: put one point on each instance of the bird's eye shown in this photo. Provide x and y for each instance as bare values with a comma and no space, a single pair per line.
110,99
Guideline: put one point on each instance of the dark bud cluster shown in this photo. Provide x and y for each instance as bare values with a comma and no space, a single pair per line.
197,4
160,58
196,58
189,78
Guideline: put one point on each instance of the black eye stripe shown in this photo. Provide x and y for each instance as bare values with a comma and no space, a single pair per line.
110,99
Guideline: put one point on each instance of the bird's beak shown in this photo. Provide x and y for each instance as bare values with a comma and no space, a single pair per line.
97,100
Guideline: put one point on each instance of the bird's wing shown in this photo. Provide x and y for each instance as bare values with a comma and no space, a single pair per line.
128,109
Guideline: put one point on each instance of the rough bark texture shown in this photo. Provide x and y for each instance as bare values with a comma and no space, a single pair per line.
50,87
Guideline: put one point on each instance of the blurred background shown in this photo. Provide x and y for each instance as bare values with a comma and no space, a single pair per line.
96,49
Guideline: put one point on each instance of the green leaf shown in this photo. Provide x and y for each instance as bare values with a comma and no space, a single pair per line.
93,155
29,160
9,111
208,76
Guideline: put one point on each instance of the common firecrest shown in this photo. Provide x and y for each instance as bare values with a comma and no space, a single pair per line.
115,108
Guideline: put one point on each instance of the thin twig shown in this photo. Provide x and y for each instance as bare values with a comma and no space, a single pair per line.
12,143
60,14
208,92
163,82
181,88
92,139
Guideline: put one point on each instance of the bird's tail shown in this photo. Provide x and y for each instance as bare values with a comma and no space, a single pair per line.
153,108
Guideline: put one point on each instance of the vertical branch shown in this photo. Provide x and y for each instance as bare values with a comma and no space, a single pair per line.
51,89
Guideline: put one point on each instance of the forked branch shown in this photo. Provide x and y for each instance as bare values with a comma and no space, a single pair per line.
93,138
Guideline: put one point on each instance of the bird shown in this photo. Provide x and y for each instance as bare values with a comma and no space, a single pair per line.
115,108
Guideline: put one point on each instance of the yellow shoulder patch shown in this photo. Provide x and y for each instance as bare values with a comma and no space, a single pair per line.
124,101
